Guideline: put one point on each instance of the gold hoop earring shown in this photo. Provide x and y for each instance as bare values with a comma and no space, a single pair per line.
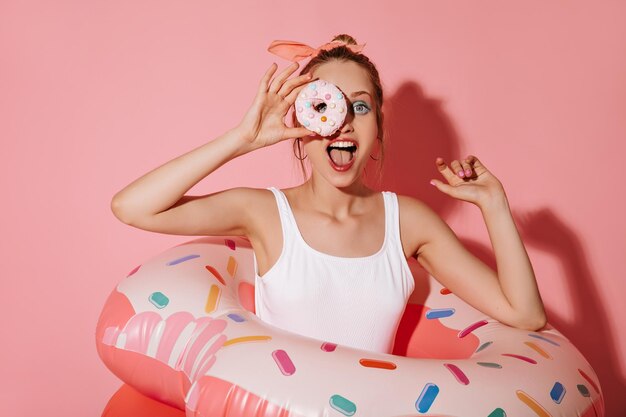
299,151
375,159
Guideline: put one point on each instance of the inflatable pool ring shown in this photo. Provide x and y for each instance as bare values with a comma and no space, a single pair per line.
181,329
321,107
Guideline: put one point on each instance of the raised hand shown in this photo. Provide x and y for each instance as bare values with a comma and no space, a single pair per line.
264,125
468,180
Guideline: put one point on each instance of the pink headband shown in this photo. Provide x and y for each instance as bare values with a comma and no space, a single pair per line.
296,51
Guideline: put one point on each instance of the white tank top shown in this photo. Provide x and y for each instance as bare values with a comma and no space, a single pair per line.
355,302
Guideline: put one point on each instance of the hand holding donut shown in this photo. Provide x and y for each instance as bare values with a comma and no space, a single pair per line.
468,180
264,125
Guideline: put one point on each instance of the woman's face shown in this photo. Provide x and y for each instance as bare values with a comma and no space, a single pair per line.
359,126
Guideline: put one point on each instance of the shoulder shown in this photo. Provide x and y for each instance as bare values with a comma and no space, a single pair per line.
419,223
260,207
414,210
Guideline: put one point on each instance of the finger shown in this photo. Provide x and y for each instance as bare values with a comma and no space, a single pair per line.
263,85
444,170
296,132
475,162
293,94
292,88
444,188
467,168
280,78
455,166
478,166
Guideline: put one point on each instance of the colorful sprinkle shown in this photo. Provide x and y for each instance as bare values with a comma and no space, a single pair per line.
483,346
343,405
557,392
438,313
327,96
311,115
458,374
284,362
524,358
328,347
313,86
230,243
133,271
537,349
231,267
245,339
308,104
159,299
215,274
427,397
593,384
583,390
489,364
323,118
532,404
183,259
300,109
339,96
498,412
445,291
373,363
236,318
536,336
471,328
332,105
212,299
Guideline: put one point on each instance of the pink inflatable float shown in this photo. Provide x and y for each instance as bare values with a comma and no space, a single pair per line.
181,329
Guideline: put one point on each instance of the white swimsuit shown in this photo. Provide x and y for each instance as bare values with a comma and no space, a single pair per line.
356,302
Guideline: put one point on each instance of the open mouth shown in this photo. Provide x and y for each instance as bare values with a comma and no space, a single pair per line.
341,154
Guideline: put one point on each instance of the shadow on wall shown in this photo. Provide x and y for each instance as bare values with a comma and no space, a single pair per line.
417,131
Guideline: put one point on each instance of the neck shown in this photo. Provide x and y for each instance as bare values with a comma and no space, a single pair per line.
335,202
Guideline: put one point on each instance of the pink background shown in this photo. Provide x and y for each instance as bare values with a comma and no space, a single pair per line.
95,94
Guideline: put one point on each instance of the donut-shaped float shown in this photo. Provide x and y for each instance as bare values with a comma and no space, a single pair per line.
181,329
321,107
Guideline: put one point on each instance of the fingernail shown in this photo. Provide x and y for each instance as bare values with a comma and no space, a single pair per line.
468,172
432,182
460,173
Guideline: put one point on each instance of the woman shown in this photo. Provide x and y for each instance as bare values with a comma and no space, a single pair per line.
331,254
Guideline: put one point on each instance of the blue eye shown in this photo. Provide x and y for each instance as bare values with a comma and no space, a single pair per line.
363,105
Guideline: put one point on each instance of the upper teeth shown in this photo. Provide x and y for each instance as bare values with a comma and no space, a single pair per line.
342,144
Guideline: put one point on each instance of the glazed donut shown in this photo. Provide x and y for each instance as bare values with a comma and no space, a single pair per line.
321,107
181,329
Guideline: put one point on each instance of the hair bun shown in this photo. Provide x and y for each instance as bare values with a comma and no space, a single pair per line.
347,39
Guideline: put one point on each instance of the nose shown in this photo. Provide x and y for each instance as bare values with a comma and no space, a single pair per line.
347,123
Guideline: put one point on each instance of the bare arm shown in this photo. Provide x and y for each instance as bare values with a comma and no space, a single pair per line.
156,201
510,296
146,201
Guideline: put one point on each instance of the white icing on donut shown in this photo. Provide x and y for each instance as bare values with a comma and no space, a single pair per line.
321,107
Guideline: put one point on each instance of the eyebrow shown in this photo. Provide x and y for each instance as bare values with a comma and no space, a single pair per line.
358,93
